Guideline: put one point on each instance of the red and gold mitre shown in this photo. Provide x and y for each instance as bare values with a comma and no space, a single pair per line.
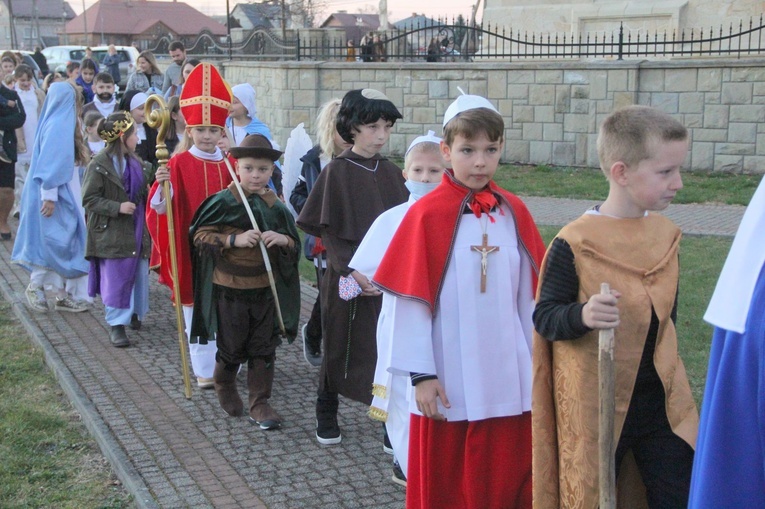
206,97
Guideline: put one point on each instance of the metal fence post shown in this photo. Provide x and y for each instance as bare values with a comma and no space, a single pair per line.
621,40
297,47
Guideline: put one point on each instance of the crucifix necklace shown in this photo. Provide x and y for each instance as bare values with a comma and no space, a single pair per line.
485,250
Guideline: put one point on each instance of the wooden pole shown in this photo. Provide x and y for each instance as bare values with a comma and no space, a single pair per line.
159,119
606,453
263,248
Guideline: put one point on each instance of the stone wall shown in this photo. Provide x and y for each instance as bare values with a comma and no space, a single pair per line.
551,109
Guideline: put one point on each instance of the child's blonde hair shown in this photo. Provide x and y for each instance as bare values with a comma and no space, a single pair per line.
626,133
325,126
426,147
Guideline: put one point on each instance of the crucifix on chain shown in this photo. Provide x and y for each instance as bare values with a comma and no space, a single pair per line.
485,249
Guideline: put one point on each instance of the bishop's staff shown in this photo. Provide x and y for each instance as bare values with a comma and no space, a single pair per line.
159,119
263,248
606,381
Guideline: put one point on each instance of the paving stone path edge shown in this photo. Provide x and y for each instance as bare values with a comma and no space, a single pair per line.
90,417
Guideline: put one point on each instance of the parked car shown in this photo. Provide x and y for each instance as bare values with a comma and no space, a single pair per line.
128,56
58,56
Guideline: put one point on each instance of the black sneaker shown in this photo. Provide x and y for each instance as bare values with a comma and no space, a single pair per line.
311,355
328,433
135,323
398,476
327,429
387,447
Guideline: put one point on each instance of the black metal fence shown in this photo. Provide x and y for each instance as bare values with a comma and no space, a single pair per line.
451,41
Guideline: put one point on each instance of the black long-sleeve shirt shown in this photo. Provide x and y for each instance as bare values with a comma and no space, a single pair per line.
558,313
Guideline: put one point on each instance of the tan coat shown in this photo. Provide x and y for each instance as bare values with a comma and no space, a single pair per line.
639,258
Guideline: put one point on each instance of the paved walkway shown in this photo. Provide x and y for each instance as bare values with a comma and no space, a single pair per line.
171,452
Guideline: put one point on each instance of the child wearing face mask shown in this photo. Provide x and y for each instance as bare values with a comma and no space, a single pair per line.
423,170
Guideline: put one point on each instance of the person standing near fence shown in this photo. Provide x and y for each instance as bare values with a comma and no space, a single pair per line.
173,72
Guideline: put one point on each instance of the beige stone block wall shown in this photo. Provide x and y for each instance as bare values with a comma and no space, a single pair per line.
552,110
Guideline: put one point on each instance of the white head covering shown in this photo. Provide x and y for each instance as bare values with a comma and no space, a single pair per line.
246,95
730,303
138,100
428,138
466,102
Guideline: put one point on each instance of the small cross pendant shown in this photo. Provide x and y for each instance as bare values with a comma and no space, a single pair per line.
485,249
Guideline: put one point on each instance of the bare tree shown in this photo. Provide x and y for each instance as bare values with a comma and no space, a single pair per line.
304,13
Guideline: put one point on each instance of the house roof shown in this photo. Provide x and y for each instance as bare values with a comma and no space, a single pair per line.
55,9
133,17
347,20
259,14
415,21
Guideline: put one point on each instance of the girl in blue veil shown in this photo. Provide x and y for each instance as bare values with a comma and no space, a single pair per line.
50,242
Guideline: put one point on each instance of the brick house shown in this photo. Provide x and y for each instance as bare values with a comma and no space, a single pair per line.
140,22
35,23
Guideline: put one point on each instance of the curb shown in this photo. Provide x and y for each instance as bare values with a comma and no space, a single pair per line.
118,460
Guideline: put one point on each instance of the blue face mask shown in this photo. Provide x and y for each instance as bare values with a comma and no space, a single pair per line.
420,189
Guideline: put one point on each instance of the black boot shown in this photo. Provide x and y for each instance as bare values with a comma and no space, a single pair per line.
118,337
327,429
135,323
225,387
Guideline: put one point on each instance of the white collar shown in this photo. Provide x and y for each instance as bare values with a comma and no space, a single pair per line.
215,156
732,298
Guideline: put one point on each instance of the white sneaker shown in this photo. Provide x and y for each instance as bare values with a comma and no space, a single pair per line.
70,305
36,298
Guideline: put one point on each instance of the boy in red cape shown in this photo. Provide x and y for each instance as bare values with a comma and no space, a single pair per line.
194,175
462,323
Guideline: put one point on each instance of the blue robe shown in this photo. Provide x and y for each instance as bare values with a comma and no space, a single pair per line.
729,467
55,243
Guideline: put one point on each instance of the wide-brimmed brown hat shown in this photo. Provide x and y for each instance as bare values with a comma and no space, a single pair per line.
256,145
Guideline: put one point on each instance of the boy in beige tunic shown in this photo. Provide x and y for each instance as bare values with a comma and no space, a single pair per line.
621,243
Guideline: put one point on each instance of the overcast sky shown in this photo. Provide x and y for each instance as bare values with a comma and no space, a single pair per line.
397,9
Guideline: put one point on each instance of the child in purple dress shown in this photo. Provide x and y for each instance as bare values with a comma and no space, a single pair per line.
118,247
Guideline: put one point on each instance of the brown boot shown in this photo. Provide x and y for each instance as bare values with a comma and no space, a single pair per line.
260,379
225,387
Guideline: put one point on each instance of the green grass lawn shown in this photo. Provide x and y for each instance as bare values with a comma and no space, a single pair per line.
48,459
589,183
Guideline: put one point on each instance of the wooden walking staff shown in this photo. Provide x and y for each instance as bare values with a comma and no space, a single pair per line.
159,119
263,248
606,453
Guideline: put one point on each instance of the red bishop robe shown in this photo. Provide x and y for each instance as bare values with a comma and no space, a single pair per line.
193,179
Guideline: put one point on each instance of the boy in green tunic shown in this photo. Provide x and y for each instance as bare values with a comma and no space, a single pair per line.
232,296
